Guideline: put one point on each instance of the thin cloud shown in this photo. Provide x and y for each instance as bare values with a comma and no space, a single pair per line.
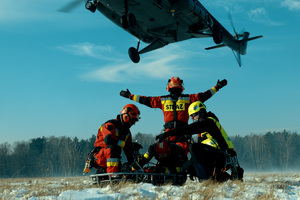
110,73
157,65
23,10
12,11
91,50
291,4
260,15
31,10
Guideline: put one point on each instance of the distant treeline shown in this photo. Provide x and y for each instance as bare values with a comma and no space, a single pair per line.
64,156
271,151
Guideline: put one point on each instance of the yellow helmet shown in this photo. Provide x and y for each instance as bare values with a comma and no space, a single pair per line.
196,107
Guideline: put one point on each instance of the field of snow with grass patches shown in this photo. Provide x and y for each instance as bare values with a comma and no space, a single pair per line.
255,186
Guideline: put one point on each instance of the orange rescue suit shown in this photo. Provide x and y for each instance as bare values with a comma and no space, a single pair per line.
112,137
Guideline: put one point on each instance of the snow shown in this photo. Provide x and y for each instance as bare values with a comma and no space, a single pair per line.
254,186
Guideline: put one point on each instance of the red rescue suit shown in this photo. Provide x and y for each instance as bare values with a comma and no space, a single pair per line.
112,137
175,117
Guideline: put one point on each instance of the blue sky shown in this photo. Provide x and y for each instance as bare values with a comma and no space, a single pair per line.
61,74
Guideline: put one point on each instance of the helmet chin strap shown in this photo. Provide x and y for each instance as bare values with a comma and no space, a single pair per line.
174,96
175,93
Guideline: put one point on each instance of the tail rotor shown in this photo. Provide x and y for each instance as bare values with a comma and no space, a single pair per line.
237,36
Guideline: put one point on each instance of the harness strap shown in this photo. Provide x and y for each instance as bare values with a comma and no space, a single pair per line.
174,124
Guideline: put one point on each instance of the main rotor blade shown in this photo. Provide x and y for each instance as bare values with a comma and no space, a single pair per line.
253,38
70,6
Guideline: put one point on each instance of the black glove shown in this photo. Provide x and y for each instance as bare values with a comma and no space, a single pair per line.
160,137
125,94
221,83
136,146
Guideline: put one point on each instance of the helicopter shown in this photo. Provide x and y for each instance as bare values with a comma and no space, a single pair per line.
161,22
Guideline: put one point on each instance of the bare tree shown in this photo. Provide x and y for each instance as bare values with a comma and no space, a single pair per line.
5,155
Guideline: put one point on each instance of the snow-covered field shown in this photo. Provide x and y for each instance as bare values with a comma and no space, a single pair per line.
255,186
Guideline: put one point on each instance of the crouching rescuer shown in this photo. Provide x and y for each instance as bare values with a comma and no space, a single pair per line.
213,155
113,136
170,158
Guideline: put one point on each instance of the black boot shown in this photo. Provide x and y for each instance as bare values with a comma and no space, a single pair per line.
221,177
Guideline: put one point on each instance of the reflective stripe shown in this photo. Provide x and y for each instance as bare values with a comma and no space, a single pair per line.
205,135
113,159
117,132
126,138
180,99
163,99
112,162
213,90
211,142
136,98
207,139
178,169
121,143
224,134
167,171
147,156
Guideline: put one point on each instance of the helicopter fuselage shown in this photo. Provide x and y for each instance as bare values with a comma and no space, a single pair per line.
160,22
164,20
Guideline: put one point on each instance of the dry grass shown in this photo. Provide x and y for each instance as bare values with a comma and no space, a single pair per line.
39,187
260,186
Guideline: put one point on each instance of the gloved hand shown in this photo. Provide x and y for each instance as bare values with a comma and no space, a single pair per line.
125,94
160,137
92,158
136,146
221,83
231,152
87,167
139,163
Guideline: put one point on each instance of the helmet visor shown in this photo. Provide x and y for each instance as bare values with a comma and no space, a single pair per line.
175,85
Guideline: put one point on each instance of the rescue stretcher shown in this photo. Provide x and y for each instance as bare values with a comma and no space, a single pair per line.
138,177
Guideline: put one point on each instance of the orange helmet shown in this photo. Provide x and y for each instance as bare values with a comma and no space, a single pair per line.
130,112
175,82
163,149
